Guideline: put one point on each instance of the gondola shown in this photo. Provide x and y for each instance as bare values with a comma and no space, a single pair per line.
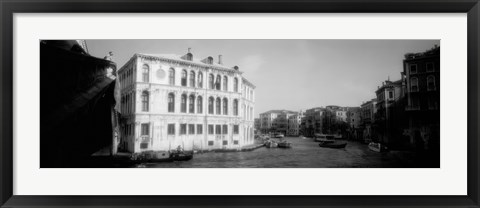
335,144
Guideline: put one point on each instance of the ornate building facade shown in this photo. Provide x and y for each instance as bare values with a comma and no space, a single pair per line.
169,101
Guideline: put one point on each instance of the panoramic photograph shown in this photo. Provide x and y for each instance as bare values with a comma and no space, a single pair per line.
239,103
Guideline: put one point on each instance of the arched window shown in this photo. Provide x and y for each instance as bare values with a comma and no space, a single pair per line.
199,104
191,104
225,106
210,105
171,102
431,83
235,85
192,79
210,81
184,78
414,84
183,104
218,106
145,99
218,82
171,76
145,72
200,80
235,107
225,83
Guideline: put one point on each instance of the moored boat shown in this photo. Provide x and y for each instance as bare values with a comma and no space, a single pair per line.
377,147
161,156
335,144
284,144
270,144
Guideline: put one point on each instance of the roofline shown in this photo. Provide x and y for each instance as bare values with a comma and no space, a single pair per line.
188,63
248,82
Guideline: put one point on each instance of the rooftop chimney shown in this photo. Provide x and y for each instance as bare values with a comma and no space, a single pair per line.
189,49
220,59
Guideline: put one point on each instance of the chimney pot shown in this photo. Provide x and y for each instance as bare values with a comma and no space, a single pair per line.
220,61
189,50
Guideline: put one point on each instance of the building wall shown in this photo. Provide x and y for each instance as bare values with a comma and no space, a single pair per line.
157,118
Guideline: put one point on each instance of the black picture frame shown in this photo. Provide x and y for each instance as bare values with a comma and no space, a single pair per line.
10,7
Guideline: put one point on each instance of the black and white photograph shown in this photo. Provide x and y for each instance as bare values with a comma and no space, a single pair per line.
240,103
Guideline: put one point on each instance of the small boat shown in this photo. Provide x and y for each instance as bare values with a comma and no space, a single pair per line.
324,138
284,144
335,144
377,147
160,156
270,144
278,135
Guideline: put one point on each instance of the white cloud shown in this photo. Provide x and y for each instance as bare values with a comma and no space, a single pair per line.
251,63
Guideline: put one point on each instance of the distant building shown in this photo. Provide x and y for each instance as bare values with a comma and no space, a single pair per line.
355,121
275,121
170,100
312,122
422,75
368,111
256,124
294,121
389,118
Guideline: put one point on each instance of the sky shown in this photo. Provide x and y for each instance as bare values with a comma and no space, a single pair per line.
290,74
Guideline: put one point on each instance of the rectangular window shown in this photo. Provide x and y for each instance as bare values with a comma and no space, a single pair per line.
191,128
430,67
210,129
145,129
235,129
183,129
390,94
225,129
210,143
143,145
171,129
199,129
235,141
413,69
225,142
218,129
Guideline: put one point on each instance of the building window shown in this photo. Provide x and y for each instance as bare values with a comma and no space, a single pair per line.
200,80
210,129
235,141
430,67
171,76
184,78
210,105
225,106
413,69
218,106
431,83
225,83
235,107
145,129
145,72
191,129
235,85
218,82
191,104
171,102
192,79
224,142
210,143
171,129
218,129
183,129
199,129
390,94
145,99
183,104
189,57
415,102
211,81
225,129
235,129
209,60
414,84
199,104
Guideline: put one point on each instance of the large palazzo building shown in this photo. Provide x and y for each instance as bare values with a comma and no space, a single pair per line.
169,101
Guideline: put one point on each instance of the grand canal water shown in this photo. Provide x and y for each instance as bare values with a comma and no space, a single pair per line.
305,153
